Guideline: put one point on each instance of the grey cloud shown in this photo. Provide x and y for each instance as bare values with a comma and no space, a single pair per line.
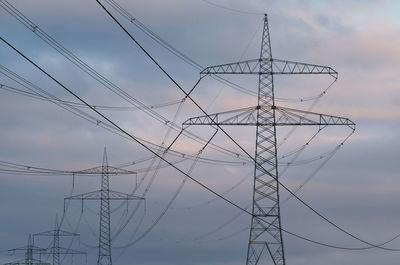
357,188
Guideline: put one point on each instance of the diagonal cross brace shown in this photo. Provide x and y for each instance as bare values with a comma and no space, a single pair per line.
283,117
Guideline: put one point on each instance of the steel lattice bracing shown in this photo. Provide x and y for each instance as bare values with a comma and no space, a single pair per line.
265,232
265,194
104,257
279,67
104,195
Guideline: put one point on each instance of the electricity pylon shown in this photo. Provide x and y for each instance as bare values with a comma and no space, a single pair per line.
29,249
55,250
265,231
104,195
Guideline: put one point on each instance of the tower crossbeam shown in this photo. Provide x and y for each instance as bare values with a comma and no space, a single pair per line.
284,117
279,67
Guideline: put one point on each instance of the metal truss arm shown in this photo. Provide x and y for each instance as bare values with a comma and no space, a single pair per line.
56,232
96,195
290,117
244,116
278,67
284,67
284,117
99,170
30,247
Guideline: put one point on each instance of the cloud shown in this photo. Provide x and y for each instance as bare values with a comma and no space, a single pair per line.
357,188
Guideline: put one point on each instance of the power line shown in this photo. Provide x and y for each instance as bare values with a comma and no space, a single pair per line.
232,9
154,175
103,80
66,102
219,127
166,208
71,108
190,61
163,43
165,160
298,188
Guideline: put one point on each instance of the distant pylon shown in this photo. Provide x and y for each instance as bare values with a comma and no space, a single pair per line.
30,250
56,250
104,195
104,257
265,231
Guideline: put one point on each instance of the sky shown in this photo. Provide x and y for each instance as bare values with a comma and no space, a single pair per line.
181,222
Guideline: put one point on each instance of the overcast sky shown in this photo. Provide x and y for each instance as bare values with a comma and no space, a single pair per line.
358,188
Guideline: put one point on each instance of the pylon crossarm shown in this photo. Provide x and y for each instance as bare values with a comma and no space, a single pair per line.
243,67
96,195
290,67
110,170
238,116
116,195
93,195
56,232
278,67
284,117
290,117
28,247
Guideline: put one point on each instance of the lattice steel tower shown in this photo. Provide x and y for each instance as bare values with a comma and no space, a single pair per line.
266,188
265,231
56,250
29,250
104,195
